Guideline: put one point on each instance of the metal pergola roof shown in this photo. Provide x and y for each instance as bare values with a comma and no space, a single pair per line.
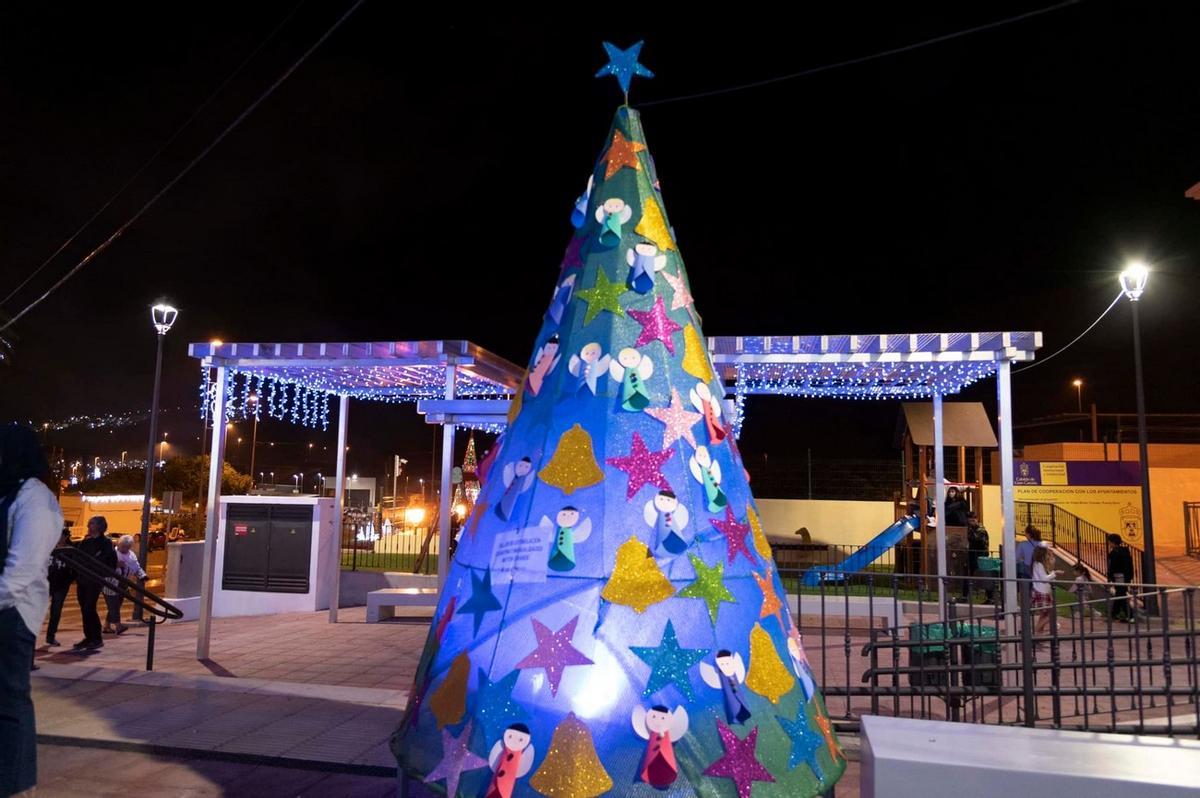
882,366
381,370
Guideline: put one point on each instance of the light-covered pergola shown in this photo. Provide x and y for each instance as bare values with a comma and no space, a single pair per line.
309,376
890,366
457,383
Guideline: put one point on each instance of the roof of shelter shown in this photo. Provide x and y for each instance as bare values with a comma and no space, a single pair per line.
883,366
385,370
963,424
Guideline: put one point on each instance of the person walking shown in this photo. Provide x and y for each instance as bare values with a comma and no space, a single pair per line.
88,588
1120,574
60,576
1025,550
1042,590
127,568
29,524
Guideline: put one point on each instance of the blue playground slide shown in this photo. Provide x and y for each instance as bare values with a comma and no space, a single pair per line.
864,556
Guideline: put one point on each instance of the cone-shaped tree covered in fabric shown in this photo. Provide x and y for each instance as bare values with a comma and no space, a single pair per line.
613,622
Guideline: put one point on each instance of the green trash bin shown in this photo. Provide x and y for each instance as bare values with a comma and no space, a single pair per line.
983,653
930,655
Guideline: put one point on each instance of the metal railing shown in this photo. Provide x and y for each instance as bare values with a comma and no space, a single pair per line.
371,543
1071,665
1067,531
135,593
1191,527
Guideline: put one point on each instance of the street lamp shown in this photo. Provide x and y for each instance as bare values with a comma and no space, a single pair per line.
163,317
1078,383
1133,283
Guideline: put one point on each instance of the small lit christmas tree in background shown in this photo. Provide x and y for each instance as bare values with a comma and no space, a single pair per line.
613,621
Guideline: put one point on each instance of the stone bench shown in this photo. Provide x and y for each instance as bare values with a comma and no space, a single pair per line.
936,759
383,603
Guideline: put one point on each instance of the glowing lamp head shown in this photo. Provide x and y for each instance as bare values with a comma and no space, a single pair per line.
414,515
163,317
1077,383
1133,279
460,510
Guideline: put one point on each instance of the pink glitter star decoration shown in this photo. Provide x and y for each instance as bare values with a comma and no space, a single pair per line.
735,535
682,297
656,325
679,420
643,466
739,763
554,652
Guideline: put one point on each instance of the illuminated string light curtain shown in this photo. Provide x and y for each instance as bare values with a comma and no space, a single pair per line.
612,621
303,395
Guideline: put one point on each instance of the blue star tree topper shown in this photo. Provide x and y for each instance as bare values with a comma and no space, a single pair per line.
623,65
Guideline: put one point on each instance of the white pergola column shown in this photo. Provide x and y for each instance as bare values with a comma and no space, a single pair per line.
1007,508
212,522
939,476
443,558
339,503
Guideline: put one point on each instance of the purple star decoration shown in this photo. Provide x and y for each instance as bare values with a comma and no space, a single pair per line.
735,535
554,652
656,325
456,757
739,763
643,466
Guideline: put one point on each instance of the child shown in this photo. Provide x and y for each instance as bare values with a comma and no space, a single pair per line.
1082,588
1042,591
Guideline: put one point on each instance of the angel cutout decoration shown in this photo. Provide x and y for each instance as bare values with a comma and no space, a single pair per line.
795,647
518,478
612,215
661,729
710,407
560,300
511,758
728,676
589,366
667,517
544,361
708,473
579,212
632,369
644,262
566,531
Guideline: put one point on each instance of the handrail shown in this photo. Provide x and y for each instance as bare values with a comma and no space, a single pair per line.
90,567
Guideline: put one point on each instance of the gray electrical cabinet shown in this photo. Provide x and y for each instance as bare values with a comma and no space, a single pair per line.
268,548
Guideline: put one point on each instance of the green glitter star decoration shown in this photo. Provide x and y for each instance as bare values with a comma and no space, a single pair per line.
709,585
604,295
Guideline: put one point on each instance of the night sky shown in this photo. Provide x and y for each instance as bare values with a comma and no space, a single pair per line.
413,180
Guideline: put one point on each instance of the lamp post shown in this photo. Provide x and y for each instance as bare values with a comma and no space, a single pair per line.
1078,383
1133,283
163,317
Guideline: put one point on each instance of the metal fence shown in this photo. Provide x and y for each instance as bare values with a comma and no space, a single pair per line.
371,542
1074,664
1065,530
1191,526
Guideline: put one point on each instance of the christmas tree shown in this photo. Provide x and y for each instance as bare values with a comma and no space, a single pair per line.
613,621
467,489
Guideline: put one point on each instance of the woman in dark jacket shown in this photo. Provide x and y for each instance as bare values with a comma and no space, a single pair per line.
956,508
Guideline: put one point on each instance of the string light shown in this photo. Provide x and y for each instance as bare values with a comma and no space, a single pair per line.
303,395
861,381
